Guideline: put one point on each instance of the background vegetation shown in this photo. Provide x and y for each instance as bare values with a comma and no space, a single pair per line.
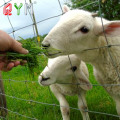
110,8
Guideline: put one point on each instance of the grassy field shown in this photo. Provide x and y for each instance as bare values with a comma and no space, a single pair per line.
97,99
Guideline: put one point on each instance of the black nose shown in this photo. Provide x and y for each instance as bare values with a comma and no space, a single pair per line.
45,45
44,79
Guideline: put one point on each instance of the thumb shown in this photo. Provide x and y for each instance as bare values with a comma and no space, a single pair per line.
16,46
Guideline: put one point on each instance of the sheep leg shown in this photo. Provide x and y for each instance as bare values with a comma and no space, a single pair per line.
64,106
82,105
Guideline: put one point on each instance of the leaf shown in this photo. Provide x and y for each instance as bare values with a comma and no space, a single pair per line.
103,1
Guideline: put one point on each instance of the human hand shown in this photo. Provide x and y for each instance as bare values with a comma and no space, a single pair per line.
7,43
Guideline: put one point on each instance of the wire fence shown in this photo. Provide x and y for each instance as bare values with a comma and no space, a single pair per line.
25,80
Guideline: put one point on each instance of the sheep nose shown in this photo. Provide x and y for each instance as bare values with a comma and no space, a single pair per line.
41,79
45,79
45,45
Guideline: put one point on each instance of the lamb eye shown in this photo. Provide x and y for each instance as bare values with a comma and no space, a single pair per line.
84,30
74,68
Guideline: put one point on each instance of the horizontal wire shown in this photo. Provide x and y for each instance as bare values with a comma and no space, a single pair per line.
2,117
5,3
36,23
18,113
55,105
106,46
102,113
89,4
26,100
24,81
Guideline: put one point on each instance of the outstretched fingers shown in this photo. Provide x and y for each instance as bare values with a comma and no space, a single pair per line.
16,46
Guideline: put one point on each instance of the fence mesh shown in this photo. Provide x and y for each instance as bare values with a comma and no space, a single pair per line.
20,106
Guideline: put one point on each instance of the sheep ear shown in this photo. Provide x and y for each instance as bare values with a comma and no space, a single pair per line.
94,14
83,81
110,29
85,84
65,8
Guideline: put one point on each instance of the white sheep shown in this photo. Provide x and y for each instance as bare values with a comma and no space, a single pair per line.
58,71
78,31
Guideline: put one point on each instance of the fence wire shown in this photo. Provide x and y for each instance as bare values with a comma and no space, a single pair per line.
26,81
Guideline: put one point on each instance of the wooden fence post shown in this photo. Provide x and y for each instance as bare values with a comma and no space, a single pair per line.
3,102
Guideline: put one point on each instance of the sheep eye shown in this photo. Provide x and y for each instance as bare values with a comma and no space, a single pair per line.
74,68
84,30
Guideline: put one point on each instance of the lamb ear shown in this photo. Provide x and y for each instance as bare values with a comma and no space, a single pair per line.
65,8
83,81
110,29
85,84
94,14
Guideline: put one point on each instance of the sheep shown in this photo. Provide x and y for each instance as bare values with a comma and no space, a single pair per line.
58,71
78,32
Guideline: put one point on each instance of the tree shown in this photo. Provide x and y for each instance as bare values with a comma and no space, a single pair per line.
110,9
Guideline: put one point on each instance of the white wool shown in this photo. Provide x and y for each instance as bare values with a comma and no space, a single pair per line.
63,81
68,37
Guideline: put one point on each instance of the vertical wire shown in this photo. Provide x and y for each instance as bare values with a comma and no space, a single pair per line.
77,85
36,43
71,65
112,59
13,94
9,75
60,6
26,83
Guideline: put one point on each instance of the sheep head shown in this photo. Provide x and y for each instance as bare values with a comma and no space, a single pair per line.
59,70
76,31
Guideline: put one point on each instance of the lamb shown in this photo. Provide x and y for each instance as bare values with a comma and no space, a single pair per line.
78,32
58,71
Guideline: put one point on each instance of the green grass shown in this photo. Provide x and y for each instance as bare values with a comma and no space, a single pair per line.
97,99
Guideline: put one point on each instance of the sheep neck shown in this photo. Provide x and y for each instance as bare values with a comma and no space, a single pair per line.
104,67
68,89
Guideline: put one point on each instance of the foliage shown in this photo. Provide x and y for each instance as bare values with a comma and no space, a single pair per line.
110,8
